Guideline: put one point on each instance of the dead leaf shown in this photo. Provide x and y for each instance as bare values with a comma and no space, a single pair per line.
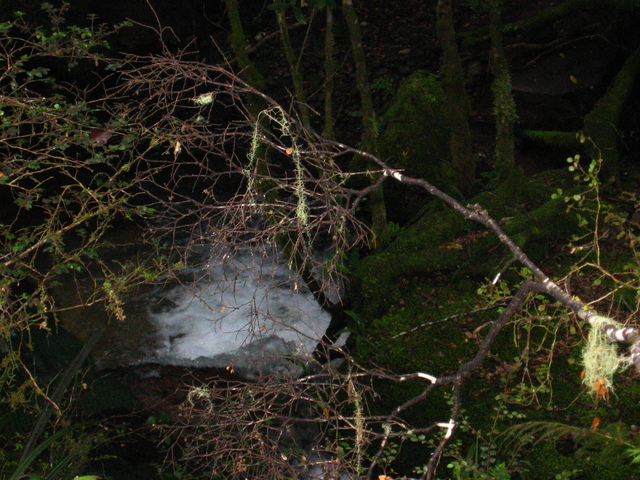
600,387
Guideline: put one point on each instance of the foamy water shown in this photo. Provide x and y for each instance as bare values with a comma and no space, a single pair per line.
244,313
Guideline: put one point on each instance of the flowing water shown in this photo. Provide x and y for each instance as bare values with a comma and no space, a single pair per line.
244,313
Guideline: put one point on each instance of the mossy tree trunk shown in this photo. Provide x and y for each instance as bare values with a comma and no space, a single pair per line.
239,47
330,69
254,103
504,106
458,107
370,129
552,138
601,125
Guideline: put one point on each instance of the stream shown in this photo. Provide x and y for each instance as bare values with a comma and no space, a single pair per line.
247,313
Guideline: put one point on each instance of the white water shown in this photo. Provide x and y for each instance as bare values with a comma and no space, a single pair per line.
245,314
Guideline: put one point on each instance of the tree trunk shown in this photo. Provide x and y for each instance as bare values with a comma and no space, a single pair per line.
294,66
462,174
370,129
239,47
504,106
601,125
329,72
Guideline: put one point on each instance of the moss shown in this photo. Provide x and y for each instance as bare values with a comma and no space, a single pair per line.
420,286
414,129
416,335
442,240
552,138
435,347
436,316
425,284
548,461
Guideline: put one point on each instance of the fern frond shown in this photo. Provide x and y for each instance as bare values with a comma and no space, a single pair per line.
613,436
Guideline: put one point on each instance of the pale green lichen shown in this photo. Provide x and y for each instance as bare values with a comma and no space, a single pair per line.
205,98
278,116
600,357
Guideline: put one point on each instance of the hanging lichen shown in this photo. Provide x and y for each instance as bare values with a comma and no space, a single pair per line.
279,117
601,359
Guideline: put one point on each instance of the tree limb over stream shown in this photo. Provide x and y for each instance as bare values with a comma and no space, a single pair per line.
271,191
541,284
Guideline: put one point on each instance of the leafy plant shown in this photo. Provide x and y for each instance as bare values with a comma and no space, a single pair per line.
57,205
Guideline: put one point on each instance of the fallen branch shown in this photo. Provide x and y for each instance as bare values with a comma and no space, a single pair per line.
542,284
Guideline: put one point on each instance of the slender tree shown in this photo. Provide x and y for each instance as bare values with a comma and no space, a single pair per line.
503,101
238,43
458,107
330,70
294,63
369,124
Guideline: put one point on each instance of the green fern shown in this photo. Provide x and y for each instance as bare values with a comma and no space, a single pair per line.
536,432
602,445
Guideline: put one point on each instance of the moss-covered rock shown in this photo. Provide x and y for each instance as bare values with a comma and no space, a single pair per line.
413,130
443,241
413,136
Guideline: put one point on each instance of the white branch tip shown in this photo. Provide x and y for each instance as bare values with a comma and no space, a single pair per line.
388,172
431,378
450,425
